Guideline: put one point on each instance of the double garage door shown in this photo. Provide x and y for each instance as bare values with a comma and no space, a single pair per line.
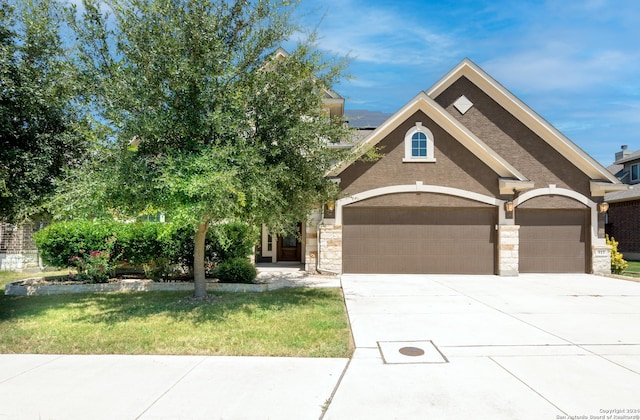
412,240
427,240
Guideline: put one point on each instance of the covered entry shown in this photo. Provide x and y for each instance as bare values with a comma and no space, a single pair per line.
419,240
554,240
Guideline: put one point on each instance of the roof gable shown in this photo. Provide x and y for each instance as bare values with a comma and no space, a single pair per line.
422,102
526,115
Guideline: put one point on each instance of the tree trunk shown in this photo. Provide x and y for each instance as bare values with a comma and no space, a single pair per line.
199,279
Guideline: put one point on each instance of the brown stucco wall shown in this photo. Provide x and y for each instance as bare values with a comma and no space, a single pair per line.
455,165
512,140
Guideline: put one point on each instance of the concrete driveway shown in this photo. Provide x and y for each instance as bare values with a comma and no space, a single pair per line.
528,347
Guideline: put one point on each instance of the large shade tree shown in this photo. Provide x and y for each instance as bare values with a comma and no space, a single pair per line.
40,131
202,121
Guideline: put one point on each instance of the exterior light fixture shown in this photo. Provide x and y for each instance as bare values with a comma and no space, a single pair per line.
331,205
603,207
508,206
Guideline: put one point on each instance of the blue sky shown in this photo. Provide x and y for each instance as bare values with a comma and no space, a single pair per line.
575,62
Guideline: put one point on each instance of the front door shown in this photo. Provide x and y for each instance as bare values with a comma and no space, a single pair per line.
289,246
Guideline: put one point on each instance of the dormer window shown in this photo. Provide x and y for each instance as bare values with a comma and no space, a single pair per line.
635,172
418,145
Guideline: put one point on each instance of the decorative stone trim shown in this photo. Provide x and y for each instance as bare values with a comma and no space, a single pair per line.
311,242
330,253
601,259
18,262
19,288
508,250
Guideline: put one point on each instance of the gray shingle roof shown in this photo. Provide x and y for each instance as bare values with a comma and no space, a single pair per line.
627,195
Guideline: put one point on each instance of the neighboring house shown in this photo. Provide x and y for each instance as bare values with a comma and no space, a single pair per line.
17,248
472,181
623,217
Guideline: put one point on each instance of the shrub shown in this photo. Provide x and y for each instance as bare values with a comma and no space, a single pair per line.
236,270
59,242
618,264
233,240
155,246
139,243
94,266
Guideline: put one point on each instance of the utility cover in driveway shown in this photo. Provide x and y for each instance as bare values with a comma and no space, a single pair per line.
419,240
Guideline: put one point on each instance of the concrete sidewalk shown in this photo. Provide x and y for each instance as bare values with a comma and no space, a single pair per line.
531,347
58,387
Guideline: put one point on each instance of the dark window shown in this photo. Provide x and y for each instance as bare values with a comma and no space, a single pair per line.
419,145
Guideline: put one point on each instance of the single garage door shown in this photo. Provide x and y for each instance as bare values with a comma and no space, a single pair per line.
418,240
553,241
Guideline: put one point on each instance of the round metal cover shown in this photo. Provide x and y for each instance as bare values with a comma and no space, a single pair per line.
411,351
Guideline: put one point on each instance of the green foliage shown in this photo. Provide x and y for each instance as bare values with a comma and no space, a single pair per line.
233,240
224,129
59,242
141,242
618,264
236,270
42,133
93,266
373,154
154,246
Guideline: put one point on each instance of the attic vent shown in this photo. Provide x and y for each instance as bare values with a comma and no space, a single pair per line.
463,104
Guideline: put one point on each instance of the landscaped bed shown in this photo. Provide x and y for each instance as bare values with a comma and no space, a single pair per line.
65,285
304,322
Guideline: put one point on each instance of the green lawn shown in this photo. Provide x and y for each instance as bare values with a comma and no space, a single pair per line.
288,322
9,276
632,269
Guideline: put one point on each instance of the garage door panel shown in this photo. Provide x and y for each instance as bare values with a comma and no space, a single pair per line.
553,241
419,240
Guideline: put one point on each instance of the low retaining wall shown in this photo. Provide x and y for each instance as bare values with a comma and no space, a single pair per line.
19,288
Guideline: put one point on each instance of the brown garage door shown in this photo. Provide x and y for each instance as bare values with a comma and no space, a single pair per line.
419,240
553,241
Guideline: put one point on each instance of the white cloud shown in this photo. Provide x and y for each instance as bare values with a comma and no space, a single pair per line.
558,68
381,35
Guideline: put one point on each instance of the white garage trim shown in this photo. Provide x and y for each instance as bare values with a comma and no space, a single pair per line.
419,187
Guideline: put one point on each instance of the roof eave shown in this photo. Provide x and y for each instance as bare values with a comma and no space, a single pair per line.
427,105
520,110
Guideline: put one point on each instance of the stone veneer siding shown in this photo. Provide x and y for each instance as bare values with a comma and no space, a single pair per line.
330,257
601,259
508,250
311,248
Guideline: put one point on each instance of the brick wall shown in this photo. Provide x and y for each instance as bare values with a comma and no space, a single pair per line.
624,225
17,248
15,239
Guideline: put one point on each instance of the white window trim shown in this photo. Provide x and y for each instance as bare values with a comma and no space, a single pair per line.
430,145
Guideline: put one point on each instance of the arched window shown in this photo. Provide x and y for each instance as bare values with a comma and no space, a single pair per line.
418,145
